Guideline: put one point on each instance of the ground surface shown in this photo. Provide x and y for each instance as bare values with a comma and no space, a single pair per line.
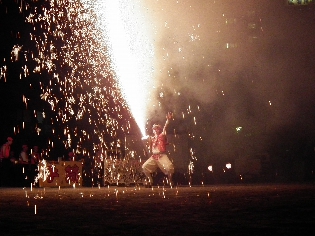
200,210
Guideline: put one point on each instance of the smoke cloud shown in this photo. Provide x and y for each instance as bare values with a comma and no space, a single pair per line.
230,64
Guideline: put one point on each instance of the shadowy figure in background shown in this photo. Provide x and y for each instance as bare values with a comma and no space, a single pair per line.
6,148
36,156
157,144
5,163
24,162
24,156
13,158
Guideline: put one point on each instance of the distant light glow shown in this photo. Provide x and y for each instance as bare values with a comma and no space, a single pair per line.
239,129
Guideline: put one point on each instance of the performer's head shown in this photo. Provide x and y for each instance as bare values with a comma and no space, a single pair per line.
157,129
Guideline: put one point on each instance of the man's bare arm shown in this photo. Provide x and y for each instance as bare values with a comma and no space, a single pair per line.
168,117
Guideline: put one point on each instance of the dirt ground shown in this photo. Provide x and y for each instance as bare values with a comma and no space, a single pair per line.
198,210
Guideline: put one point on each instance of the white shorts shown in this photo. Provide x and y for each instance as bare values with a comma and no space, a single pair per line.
163,163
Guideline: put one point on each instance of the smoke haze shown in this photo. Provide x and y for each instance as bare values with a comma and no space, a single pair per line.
263,86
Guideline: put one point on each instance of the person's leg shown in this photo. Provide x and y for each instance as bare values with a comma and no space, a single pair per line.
148,168
166,167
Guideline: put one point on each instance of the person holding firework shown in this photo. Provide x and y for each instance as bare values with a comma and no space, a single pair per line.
159,158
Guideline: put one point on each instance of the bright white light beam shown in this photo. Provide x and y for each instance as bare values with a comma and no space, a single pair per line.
131,51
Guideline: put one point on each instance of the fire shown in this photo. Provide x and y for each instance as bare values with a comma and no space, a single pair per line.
127,36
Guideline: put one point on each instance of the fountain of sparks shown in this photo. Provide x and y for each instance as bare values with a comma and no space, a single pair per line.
65,57
79,49
131,52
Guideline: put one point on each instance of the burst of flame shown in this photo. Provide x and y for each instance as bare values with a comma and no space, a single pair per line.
131,52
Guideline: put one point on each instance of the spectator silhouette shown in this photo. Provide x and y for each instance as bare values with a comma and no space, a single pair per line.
5,163
36,156
24,156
